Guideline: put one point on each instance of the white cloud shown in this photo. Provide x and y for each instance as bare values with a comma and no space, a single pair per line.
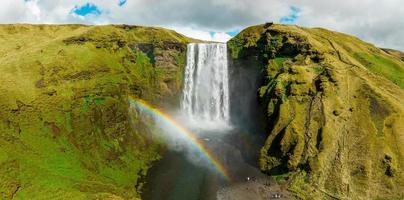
221,37
34,10
193,33
11,12
378,22
372,20
202,35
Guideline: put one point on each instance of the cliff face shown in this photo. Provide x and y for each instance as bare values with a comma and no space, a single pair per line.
335,114
65,126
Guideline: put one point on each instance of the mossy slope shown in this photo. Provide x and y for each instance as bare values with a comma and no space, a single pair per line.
66,131
335,111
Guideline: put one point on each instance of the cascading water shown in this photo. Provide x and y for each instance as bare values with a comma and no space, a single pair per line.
211,161
206,85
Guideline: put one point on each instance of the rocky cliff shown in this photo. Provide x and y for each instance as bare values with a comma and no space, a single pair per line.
335,111
65,127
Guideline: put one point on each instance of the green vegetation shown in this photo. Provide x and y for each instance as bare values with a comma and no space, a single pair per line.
66,130
382,65
334,111
245,39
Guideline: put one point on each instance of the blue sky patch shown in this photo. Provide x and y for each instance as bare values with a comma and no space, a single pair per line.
233,33
293,16
86,9
121,2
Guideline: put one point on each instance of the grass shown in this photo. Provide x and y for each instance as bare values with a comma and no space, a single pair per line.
245,39
334,119
383,66
65,127
281,177
280,60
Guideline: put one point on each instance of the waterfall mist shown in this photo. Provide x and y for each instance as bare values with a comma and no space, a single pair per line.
204,104
219,106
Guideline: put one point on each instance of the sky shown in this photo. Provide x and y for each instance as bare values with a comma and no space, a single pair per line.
375,21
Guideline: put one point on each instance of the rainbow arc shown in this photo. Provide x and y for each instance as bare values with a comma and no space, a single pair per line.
190,136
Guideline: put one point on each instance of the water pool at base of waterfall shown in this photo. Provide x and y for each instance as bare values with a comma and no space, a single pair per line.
224,163
176,177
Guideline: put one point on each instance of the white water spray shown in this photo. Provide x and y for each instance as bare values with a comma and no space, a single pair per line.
206,86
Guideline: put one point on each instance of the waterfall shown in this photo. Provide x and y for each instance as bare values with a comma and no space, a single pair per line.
206,85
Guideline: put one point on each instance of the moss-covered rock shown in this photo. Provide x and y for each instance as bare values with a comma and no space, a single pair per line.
66,130
334,111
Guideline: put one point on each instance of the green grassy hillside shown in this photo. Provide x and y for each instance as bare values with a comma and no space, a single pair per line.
335,111
65,128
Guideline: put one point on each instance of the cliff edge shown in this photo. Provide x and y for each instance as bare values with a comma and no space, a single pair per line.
335,111
66,130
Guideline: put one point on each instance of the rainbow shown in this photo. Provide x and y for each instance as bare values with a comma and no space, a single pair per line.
191,137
